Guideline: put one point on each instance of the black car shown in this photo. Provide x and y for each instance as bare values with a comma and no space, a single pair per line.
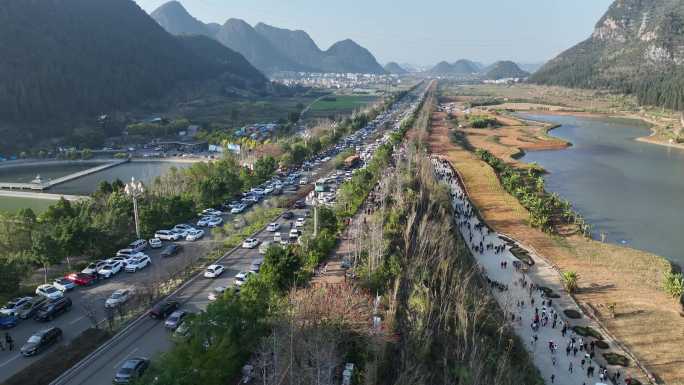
300,204
28,309
163,309
41,341
131,369
170,250
48,311
288,215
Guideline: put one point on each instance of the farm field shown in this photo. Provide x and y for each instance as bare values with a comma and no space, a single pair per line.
339,104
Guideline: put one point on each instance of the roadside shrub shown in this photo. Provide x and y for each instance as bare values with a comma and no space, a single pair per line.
673,284
570,281
482,121
616,359
120,155
572,314
601,344
587,331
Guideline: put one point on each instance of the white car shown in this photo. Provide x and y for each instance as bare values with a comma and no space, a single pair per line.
125,259
14,305
93,267
167,235
273,227
264,247
277,237
300,222
49,291
217,293
241,277
214,271
63,284
294,233
138,264
215,222
111,269
182,229
203,222
194,235
211,212
125,253
268,189
139,245
155,243
118,298
238,209
250,243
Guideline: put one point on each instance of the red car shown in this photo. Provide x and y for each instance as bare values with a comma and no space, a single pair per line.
82,279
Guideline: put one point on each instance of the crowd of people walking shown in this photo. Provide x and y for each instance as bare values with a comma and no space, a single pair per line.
527,308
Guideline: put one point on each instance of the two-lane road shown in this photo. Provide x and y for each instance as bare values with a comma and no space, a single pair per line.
149,338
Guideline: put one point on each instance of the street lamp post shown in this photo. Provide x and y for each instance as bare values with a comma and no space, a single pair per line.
135,190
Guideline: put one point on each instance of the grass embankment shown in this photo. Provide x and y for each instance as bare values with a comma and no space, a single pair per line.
433,300
439,301
647,321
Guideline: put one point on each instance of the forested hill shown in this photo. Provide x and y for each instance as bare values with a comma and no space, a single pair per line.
460,67
504,69
67,59
269,48
395,68
637,47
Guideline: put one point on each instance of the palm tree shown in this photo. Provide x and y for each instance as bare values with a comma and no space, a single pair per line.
570,281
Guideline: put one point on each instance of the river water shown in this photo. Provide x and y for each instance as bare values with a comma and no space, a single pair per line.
145,171
631,191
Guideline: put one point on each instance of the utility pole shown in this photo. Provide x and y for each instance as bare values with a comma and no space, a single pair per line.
135,190
315,218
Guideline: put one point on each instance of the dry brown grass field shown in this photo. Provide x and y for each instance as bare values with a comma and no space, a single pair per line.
646,320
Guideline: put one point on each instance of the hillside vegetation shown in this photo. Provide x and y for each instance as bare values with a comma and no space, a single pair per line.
67,60
269,48
636,48
504,69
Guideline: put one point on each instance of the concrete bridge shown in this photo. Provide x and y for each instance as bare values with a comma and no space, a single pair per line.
47,184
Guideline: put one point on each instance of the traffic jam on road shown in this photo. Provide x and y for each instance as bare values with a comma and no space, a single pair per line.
54,300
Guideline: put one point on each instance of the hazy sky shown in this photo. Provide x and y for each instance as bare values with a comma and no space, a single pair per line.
422,31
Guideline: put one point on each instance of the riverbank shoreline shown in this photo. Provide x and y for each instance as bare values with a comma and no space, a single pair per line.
170,160
40,195
611,276
652,138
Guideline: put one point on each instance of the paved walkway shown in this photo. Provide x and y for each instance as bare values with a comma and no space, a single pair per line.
539,321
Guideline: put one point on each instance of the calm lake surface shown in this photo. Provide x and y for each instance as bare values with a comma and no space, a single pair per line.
632,191
25,174
144,171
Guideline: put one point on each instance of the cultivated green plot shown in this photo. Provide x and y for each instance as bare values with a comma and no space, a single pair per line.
340,104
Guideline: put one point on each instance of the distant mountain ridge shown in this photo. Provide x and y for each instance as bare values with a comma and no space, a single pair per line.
460,67
269,48
395,68
504,69
637,47
47,88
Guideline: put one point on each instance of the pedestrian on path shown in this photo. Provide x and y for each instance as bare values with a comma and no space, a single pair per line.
9,341
553,378
570,367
